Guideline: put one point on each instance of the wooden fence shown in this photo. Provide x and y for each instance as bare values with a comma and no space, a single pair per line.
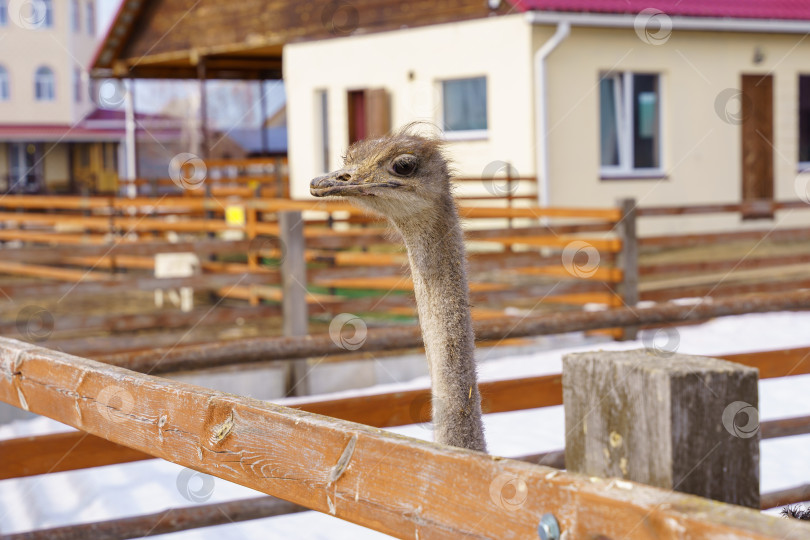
327,456
346,254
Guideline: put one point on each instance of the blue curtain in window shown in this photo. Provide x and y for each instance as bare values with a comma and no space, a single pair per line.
465,104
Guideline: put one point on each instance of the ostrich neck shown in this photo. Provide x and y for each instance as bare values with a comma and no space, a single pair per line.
438,268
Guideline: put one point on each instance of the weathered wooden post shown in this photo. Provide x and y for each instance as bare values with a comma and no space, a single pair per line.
681,422
294,290
628,260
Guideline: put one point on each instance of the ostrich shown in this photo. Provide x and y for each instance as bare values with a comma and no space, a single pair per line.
405,178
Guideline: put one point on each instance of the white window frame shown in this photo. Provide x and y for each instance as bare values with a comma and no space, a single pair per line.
624,124
90,17
48,21
51,94
464,134
5,84
75,16
78,85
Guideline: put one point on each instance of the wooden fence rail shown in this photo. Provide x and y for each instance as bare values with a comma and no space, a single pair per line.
393,484
381,410
183,358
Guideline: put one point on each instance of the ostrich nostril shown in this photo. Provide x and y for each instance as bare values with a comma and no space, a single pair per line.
345,177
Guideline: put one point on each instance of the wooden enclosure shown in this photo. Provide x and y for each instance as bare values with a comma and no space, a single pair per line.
84,268
350,470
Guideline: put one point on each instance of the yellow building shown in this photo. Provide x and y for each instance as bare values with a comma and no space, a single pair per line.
52,138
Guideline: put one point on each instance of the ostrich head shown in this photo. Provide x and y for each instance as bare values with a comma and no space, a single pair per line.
399,176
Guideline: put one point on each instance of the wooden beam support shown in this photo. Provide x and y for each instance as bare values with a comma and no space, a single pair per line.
392,484
294,301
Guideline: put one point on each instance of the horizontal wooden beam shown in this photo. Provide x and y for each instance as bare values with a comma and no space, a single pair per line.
182,358
55,254
167,521
651,211
413,406
50,272
206,515
387,482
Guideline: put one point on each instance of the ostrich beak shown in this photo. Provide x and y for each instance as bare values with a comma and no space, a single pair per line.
344,183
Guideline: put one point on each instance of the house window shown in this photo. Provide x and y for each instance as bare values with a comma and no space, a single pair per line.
77,85
75,16
804,122
47,5
3,12
91,17
4,88
44,85
464,107
630,124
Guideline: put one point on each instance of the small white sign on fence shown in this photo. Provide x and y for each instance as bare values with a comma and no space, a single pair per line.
175,265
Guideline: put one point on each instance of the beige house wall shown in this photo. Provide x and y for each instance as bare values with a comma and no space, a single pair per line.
499,48
24,50
701,152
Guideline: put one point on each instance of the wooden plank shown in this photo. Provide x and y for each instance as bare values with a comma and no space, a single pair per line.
602,273
606,297
723,265
606,214
55,254
650,211
377,410
780,363
393,283
691,240
167,521
120,284
50,272
613,245
391,338
351,471
41,237
783,497
72,450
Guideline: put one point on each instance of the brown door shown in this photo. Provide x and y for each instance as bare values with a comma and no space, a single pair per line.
757,146
369,114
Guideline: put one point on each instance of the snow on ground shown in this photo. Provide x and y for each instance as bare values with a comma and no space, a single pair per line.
151,486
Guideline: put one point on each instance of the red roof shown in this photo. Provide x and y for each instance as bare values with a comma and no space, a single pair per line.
56,133
737,9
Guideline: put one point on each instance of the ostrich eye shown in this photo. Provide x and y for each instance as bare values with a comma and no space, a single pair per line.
404,165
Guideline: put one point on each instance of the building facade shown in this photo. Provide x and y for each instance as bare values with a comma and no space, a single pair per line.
49,141
671,109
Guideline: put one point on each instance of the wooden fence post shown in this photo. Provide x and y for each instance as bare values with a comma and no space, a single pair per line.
628,260
294,289
252,256
686,423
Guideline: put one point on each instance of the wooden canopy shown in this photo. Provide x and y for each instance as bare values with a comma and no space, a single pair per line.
185,39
